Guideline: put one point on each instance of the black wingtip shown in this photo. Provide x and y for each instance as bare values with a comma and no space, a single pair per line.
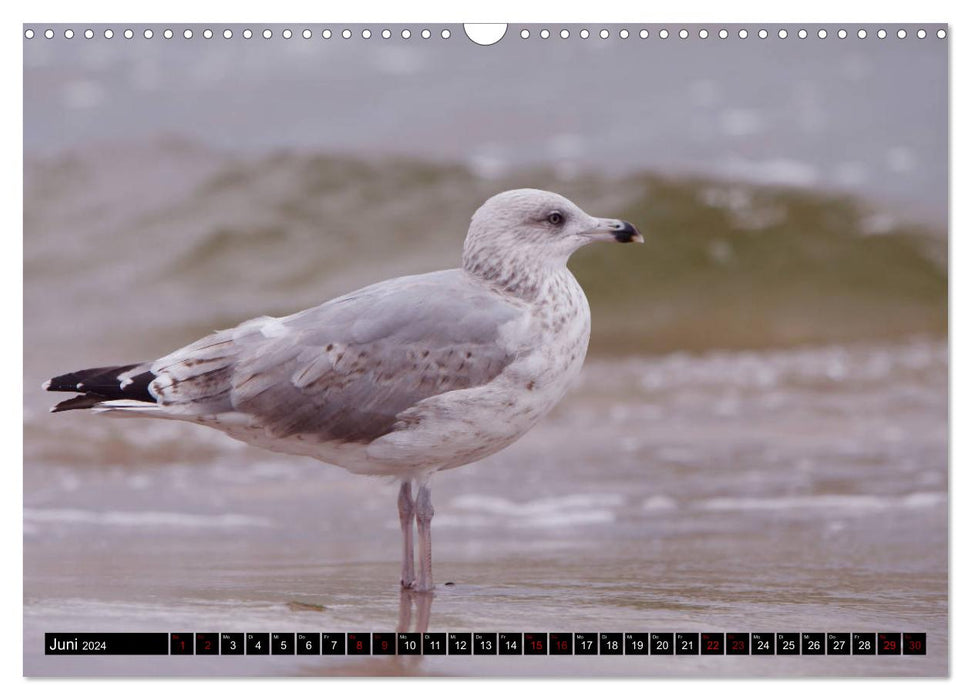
101,384
78,402
99,379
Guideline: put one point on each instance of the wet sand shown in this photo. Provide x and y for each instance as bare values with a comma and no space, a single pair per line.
792,490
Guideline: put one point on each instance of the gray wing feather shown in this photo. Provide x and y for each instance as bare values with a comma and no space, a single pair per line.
345,370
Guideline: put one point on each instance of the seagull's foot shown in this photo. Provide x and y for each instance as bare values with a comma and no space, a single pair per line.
407,577
422,587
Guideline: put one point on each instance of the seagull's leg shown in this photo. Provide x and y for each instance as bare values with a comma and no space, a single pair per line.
406,514
424,513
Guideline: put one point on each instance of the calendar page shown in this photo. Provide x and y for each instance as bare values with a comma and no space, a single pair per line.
597,350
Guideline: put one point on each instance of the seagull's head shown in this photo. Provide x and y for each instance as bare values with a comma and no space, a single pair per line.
544,226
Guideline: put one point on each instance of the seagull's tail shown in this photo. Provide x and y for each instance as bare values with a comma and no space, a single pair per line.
124,387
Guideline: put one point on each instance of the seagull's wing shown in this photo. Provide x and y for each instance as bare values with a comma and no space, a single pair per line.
343,371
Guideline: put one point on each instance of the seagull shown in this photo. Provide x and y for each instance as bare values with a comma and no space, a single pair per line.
404,378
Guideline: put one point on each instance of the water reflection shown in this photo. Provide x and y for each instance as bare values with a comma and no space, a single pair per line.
422,602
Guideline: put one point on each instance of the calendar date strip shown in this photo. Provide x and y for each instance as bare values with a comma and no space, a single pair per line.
487,643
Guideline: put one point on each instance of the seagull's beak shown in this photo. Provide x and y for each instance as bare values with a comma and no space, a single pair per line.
615,230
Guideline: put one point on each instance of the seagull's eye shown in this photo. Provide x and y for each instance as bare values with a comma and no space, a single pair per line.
555,218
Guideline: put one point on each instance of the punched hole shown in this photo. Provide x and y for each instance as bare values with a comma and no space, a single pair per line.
484,34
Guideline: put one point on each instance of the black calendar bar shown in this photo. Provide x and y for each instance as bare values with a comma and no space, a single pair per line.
489,643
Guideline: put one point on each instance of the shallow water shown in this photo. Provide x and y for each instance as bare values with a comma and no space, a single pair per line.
791,490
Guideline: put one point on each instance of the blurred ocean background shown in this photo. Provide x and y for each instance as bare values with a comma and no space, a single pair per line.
760,435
